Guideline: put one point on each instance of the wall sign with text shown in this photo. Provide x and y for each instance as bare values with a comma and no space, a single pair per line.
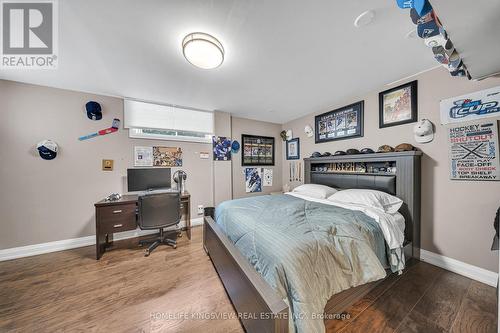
474,151
470,107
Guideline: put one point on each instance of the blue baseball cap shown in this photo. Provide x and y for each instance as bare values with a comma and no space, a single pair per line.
47,149
93,110
405,4
422,7
235,147
428,29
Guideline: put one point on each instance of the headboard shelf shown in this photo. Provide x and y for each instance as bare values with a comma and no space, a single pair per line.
356,173
403,181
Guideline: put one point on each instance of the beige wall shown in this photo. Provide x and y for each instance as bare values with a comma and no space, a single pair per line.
45,201
246,126
223,185
457,216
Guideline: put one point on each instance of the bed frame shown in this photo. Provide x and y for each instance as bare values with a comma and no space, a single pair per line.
259,307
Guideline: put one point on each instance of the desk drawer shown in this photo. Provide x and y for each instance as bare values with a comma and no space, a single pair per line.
117,218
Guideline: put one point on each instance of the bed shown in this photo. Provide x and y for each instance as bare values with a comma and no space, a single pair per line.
262,288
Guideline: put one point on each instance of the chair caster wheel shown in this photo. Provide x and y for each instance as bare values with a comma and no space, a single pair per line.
146,253
175,246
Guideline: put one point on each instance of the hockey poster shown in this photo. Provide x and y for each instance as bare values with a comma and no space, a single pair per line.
474,151
221,147
471,107
253,180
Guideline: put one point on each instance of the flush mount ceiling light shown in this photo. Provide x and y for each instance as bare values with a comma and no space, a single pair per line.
202,50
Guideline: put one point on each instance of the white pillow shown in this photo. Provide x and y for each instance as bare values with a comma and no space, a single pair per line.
315,190
371,198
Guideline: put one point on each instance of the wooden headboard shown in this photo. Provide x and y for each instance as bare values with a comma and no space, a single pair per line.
404,182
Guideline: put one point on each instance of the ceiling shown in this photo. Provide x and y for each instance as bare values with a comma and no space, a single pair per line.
284,58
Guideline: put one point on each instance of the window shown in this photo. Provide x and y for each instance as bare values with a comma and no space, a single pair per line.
165,122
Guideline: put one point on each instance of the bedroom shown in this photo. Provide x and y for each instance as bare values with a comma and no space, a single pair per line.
269,128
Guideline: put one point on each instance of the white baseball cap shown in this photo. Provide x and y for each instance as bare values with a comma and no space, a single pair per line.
423,131
47,149
309,131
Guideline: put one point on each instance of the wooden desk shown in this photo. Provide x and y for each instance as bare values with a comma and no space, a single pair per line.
121,215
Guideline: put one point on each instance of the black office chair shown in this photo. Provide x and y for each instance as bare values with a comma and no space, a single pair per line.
158,210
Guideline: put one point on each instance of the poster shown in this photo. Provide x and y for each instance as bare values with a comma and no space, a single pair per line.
470,107
167,156
221,147
268,177
253,180
340,124
474,151
143,156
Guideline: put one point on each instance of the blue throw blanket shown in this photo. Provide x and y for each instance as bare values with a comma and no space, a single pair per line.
307,251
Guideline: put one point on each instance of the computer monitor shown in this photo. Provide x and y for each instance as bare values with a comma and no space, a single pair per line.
148,179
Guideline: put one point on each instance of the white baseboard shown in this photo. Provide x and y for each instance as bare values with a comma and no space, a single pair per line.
67,244
459,267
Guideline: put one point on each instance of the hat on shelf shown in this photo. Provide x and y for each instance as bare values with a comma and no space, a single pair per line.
367,151
385,149
404,147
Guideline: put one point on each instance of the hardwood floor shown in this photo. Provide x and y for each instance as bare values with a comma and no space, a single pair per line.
179,291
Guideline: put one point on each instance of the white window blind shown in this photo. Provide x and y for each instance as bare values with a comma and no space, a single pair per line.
142,115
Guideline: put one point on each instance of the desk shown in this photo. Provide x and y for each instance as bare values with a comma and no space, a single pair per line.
121,215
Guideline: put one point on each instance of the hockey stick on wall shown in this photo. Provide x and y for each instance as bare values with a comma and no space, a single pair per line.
114,128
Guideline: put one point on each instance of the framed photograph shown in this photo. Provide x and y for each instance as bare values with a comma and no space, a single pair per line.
398,105
257,150
340,124
293,149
